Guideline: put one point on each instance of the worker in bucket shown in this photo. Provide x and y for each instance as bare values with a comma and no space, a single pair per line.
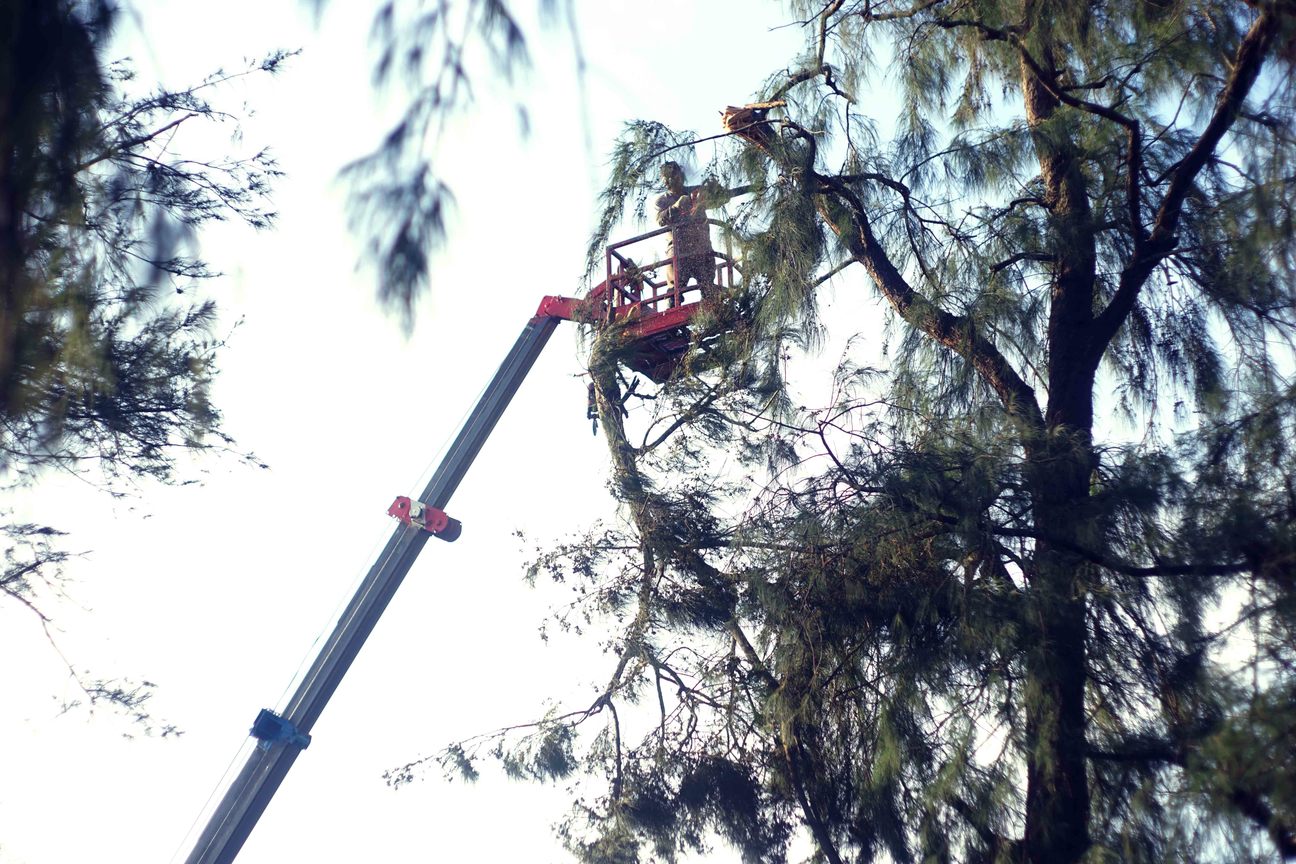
683,210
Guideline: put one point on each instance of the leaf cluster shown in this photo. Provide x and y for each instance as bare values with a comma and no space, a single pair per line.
107,346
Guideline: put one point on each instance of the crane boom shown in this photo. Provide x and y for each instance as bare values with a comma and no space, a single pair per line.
655,315
281,737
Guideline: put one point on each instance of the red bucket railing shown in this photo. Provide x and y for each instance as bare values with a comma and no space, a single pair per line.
635,288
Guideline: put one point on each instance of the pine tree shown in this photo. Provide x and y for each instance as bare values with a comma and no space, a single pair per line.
107,348
1027,592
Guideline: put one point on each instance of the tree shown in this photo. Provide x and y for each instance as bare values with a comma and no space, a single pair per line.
107,348
1026,593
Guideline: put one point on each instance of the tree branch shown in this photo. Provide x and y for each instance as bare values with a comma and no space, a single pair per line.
870,16
1019,257
955,332
1248,802
1255,808
130,144
1245,70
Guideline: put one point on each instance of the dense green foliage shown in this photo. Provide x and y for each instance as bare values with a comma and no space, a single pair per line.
1028,592
107,347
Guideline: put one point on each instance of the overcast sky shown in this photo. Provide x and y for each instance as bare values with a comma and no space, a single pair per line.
216,592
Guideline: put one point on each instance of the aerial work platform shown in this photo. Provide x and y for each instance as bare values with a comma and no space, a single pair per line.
655,315
655,311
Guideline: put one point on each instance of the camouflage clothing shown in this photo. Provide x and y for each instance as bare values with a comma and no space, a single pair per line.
690,237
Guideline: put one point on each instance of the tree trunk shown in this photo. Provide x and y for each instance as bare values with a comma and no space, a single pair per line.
1057,787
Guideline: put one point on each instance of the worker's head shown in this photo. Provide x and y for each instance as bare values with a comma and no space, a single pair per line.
672,176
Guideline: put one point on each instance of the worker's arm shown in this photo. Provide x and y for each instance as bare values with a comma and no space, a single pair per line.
671,209
696,200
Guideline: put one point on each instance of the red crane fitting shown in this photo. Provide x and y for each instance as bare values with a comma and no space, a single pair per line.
431,519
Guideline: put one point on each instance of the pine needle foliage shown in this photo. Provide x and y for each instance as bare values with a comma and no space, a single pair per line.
439,52
107,345
1027,593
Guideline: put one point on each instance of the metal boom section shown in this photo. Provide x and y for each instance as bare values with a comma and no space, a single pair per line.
282,737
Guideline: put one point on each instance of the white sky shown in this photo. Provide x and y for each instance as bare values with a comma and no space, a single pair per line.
216,592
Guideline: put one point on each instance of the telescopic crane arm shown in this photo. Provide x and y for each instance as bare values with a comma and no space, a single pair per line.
654,316
281,737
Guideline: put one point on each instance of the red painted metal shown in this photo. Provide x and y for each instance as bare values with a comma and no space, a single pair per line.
568,308
431,519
